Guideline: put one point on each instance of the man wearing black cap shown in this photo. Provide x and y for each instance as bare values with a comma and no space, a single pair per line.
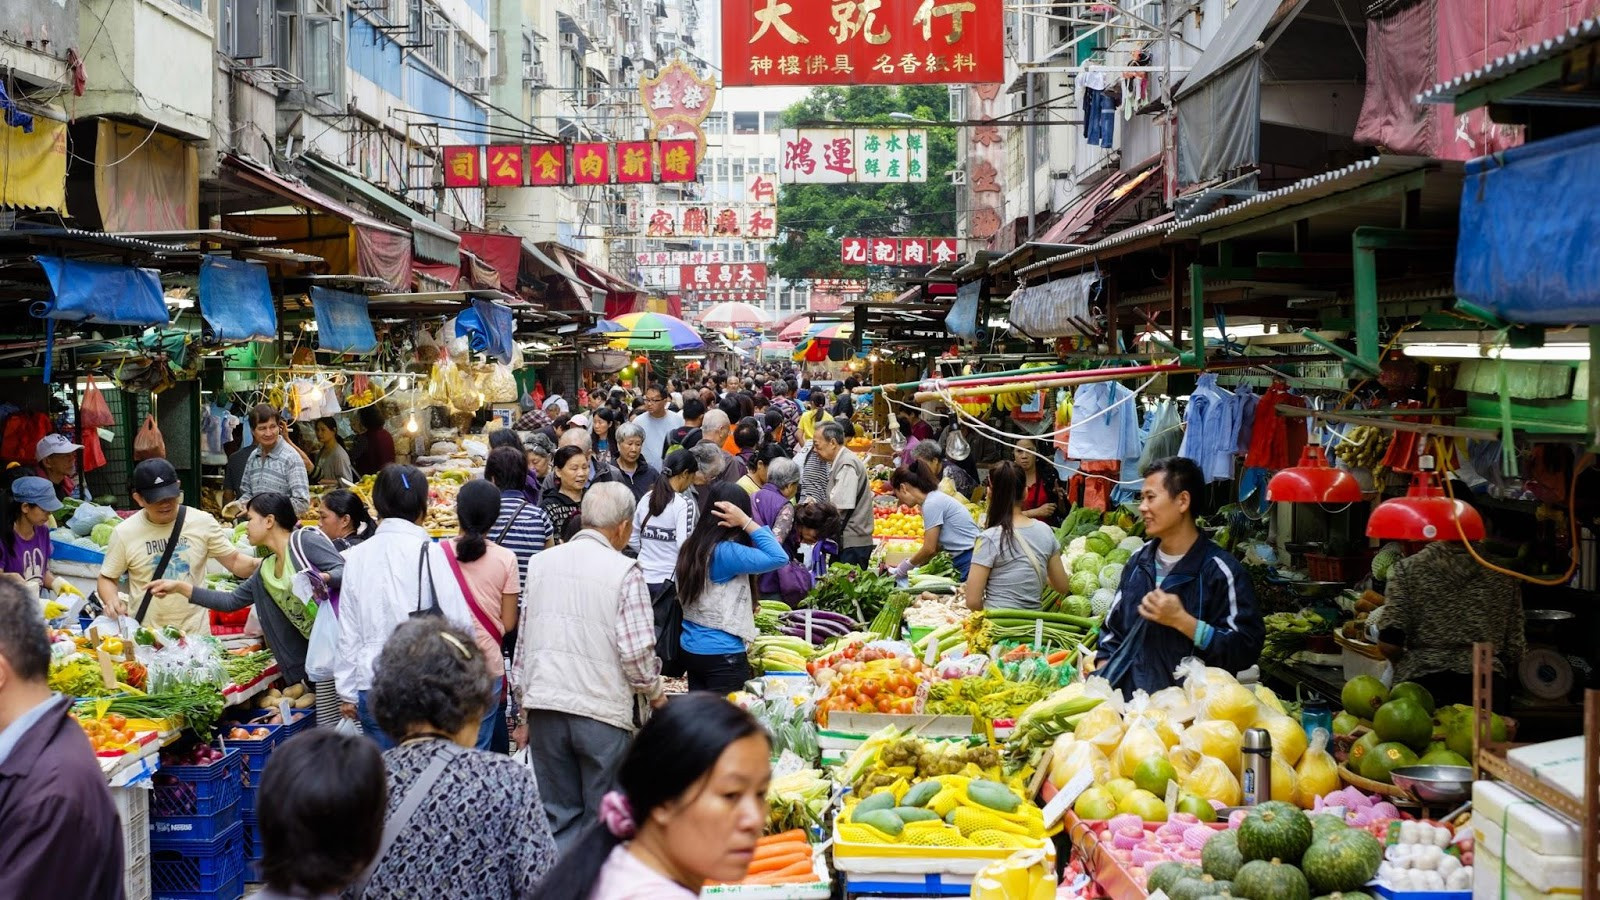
139,544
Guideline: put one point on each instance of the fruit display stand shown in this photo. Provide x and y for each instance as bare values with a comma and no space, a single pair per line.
819,889
918,870
1498,763
1112,879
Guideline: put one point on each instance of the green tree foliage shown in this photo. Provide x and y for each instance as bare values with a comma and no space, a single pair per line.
813,217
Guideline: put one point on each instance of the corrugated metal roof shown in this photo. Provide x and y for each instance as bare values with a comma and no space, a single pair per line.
1584,32
1159,225
1367,171
103,238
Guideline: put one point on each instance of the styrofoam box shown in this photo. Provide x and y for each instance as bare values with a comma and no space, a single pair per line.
1488,883
1532,825
1542,871
1558,764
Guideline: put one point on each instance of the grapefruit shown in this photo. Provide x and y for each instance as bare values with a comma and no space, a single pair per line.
1360,749
1385,758
1413,691
1443,757
1363,695
1405,721
1153,774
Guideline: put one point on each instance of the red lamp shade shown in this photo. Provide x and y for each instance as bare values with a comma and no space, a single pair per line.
1313,481
1424,514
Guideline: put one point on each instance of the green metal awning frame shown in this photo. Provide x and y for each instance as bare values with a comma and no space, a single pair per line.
430,241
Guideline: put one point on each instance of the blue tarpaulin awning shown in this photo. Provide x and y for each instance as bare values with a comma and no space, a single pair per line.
343,325
488,326
1527,232
236,299
103,293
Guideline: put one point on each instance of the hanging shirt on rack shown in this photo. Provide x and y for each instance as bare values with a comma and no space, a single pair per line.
1247,401
1105,423
1211,432
1275,441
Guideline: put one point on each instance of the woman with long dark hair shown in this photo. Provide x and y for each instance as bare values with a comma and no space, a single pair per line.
492,586
1016,554
571,466
716,591
332,463
286,610
947,525
602,445
662,523
1039,494
344,519
689,807
25,533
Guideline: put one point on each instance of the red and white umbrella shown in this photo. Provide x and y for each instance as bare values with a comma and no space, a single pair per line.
733,314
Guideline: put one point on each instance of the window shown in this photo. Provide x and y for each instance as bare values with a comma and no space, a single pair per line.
716,123
469,64
738,171
746,123
722,169
247,31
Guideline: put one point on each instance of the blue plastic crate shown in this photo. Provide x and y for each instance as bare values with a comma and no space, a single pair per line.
214,870
255,752
300,720
197,791
73,553
172,830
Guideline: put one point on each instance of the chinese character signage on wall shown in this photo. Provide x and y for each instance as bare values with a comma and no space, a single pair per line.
839,285
896,251
678,257
767,42
839,155
553,165
677,101
724,277
724,220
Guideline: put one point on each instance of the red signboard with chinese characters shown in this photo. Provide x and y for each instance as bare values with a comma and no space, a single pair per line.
462,166
635,163
591,163
724,277
789,42
887,251
505,165
547,165
679,160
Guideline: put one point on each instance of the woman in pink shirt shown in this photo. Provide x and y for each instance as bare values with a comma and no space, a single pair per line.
689,807
489,581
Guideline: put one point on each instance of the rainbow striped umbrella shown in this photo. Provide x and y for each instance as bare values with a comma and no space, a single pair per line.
654,331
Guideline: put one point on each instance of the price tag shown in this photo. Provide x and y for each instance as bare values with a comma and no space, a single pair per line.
1172,796
108,672
283,710
1068,795
1038,634
788,764
127,650
931,655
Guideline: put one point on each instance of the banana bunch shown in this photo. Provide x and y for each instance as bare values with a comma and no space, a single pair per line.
779,653
371,395
1363,447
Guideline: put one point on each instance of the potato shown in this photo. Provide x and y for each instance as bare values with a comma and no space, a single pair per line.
294,691
305,702
266,702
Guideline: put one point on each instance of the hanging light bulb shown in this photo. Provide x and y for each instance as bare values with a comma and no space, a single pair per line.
411,424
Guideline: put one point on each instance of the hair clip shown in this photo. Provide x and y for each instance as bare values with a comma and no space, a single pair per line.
405,481
455,642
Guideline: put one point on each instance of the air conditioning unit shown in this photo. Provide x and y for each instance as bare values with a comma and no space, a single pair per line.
533,73
477,84
569,40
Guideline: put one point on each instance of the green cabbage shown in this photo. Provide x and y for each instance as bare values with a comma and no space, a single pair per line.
1116,534
101,534
1111,576
1118,555
1131,544
1099,542
1084,583
1089,562
1386,558
1077,605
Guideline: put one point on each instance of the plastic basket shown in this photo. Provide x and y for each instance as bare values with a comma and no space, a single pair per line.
133,811
1348,569
213,870
299,720
73,553
196,803
255,752
252,850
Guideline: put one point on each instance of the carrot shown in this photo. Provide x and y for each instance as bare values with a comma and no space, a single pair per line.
798,873
776,846
765,864
793,834
1060,656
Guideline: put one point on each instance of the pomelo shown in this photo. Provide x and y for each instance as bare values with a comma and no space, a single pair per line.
1413,691
1405,721
1362,696
1153,774
1385,758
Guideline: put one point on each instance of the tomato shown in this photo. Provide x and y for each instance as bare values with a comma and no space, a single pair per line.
116,722
869,690
885,704
905,706
902,691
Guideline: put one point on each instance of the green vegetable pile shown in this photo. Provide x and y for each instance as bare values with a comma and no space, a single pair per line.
850,591
77,676
197,706
247,668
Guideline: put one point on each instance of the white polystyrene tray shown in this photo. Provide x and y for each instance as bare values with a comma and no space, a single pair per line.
1532,825
1491,881
1541,870
1558,764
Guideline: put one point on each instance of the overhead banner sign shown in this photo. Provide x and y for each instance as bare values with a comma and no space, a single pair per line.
895,251
678,257
724,220
846,155
677,101
839,285
724,277
784,42
556,165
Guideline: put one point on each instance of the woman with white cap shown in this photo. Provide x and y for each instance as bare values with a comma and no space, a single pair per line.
57,457
25,539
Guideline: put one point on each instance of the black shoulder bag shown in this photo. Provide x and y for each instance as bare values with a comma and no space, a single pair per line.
161,564
425,576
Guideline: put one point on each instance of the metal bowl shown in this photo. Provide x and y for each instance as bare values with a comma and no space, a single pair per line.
1434,784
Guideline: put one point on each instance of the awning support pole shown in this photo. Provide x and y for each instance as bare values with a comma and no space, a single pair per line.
1197,316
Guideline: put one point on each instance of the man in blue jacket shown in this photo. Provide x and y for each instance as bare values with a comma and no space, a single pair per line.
1181,595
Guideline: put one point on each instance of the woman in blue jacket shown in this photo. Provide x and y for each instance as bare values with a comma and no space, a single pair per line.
1181,595
715,587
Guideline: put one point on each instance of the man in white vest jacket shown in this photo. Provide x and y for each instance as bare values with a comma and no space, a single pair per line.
585,660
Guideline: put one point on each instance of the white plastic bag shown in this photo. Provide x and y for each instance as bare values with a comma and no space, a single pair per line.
322,650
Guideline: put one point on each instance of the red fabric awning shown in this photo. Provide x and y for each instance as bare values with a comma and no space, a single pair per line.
501,251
